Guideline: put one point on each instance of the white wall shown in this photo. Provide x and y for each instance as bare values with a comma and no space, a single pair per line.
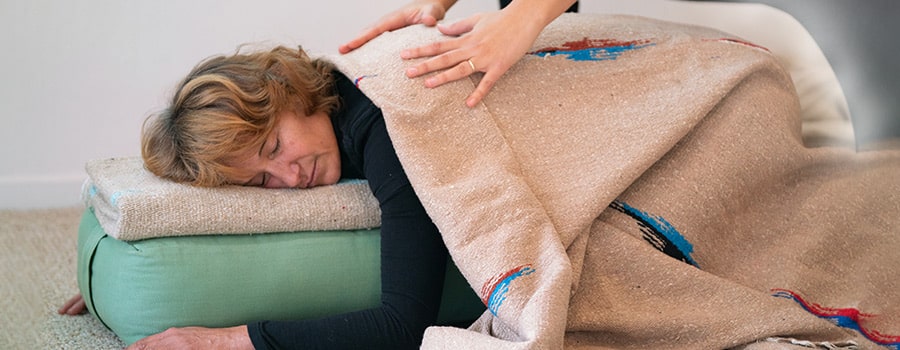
77,78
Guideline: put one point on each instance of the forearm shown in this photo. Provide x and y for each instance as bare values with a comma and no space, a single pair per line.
447,4
367,329
231,338
538,12
413,262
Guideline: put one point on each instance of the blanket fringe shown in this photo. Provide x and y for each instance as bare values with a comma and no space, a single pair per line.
844,345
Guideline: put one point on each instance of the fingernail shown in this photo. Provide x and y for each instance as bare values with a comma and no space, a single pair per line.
404,54
412,71
430,82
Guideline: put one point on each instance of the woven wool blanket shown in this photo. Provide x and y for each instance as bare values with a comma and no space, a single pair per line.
638,184
133,204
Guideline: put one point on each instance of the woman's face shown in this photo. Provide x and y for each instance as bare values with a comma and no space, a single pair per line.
300,152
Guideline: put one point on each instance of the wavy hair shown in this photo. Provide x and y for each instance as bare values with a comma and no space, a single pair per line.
227,105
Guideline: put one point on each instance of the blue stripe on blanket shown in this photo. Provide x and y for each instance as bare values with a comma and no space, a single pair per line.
847,317
593,49
659,233
493,292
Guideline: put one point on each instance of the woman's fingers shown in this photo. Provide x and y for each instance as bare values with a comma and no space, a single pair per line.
68,304
432,50
440,47
363,38
427,14
446,55
73,306
484,86
456,72
389,23
460,27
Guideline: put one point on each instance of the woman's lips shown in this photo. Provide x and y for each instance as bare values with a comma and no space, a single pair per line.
312,175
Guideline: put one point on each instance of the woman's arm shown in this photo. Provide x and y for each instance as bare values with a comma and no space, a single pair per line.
413,262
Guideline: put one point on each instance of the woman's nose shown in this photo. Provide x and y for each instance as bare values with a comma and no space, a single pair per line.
286,174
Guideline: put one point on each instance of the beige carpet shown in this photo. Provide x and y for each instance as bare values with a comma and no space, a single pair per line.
38,255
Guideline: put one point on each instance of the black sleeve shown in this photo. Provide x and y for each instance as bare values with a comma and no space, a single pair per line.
413,262
572,9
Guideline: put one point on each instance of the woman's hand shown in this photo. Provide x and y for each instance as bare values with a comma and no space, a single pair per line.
73,306
427,12
197,338
179,338
488,42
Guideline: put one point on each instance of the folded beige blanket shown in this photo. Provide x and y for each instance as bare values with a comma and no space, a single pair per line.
638,184
131,204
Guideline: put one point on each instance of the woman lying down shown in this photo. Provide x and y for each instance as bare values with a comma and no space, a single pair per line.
628,184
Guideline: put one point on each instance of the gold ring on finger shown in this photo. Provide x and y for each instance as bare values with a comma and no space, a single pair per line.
471,65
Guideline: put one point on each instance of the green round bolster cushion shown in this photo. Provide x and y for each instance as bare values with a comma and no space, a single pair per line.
140,288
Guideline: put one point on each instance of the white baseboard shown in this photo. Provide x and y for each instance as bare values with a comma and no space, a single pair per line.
20,192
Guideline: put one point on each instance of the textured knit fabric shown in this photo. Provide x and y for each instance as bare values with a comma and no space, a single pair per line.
639,184
132,204
413,258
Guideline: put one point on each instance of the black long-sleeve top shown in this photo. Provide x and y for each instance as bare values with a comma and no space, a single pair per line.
413,256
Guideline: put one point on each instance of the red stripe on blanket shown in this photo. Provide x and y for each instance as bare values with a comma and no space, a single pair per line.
844,317
741,42
493,292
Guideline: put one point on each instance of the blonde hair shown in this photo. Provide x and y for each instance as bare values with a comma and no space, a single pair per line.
227,105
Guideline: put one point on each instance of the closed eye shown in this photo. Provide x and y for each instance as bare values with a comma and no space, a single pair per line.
276,148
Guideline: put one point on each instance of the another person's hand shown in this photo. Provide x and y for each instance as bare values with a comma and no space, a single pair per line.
487,42
427,12
197,338
73,306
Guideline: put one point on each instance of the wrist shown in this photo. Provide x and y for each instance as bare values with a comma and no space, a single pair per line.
240,338
538,12
446,4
